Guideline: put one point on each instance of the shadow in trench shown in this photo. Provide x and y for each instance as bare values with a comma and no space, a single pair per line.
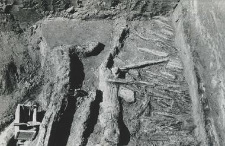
12,142
40,116
61,126
93,119
76,71
97,51
124,131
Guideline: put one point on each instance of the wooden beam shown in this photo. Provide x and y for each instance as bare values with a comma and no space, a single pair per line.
123,81
144,64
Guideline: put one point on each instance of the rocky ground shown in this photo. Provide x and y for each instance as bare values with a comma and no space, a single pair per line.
103,73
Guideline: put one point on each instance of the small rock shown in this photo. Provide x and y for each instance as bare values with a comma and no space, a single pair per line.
115,71
92,45
127,94
70,10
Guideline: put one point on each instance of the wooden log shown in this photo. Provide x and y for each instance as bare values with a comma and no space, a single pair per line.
163,36
159,139
171,115
123,81
154,52
142,37
165,114
165,25
164,82
167,74
159,79
20,124
31,124
144,64
175,63
161,44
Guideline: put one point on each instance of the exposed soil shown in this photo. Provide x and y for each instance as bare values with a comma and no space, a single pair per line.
103,73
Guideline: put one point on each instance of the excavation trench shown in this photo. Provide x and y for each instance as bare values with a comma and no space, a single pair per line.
93,117
161,111
68,109
73,112
155,77
160,105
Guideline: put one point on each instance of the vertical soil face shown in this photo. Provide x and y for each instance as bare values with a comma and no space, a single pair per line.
76,78
202,45
64,125
77,72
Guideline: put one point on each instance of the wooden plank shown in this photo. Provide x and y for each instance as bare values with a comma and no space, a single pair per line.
123,81
144,64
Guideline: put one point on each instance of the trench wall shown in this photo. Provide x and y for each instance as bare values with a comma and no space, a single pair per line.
200,30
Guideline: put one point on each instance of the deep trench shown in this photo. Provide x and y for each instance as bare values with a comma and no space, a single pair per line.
12,142
61,128
124,131
93,119
76,75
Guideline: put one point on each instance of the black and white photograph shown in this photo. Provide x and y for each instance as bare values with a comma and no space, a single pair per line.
112,72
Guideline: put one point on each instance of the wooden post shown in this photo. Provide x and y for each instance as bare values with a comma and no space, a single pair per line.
35,115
